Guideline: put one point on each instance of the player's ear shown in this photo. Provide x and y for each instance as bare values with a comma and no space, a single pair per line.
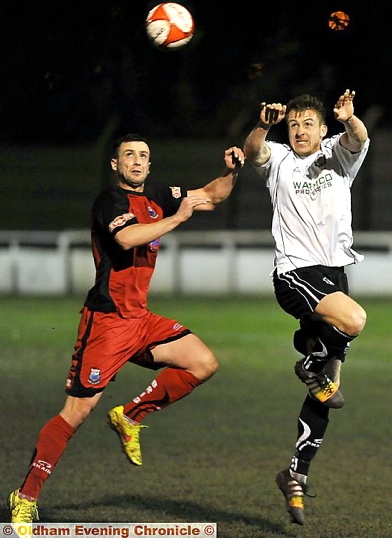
324,130
113,164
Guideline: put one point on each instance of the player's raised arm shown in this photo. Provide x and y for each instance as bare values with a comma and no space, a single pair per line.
203,199
356,133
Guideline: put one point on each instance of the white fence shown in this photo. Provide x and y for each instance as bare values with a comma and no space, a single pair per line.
208,262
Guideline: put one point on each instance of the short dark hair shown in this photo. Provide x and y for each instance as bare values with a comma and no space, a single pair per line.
305,102
129,137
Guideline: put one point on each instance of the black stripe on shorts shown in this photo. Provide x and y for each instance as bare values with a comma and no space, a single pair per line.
299,291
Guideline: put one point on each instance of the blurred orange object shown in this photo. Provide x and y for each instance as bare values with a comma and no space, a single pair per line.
339,20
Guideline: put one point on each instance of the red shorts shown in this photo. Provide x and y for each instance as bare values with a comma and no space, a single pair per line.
106,342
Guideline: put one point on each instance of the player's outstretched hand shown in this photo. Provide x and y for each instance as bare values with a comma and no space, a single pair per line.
271,114
344,108
234,158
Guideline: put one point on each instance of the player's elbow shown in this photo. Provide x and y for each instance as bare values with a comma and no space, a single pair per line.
123,242
125,246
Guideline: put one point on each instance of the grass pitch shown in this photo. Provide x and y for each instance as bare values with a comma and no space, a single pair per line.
214,455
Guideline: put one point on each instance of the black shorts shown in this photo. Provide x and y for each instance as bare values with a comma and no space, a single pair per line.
299,291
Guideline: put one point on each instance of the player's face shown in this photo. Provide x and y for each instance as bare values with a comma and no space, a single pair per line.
132,165
305,131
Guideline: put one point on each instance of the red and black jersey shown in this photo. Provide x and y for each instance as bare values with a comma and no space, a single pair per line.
123,276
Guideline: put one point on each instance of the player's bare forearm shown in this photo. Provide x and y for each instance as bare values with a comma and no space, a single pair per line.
356,134
142,234
220,188
255,149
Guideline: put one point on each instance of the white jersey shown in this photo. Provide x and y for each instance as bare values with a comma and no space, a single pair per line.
311,200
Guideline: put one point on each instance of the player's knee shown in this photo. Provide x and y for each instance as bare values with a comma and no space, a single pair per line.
76,410
356,321
206,366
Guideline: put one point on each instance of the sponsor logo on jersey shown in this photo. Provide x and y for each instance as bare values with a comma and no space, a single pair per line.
120,221
95,376
313,187
327,281
176,192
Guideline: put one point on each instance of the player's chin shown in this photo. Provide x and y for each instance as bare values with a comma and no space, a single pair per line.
303,151
132,182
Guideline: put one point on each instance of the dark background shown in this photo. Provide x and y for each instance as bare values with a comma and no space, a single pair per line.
70,68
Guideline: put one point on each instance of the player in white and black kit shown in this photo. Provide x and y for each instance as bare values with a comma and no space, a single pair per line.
310,187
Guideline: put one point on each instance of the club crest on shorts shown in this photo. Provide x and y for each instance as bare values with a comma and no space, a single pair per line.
95,376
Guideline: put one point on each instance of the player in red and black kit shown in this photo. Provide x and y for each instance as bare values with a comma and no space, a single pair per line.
116,326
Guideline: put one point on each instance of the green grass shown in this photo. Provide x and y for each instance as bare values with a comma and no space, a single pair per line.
214,455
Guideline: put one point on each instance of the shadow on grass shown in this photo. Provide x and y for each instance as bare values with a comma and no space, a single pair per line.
172,510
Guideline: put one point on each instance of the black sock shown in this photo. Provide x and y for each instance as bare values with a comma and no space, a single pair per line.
312,423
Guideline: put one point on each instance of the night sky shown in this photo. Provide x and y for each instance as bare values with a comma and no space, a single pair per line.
71,68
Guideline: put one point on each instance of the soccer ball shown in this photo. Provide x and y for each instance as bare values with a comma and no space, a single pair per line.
169,26
339,20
